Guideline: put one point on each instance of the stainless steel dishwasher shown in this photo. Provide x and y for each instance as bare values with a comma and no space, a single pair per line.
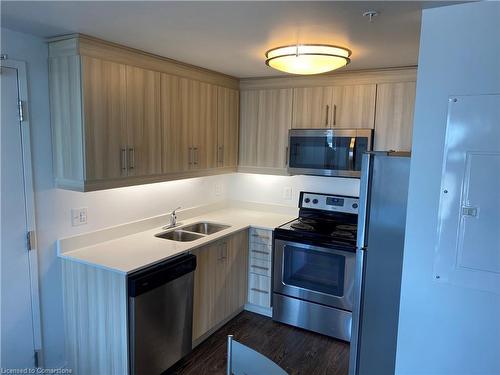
160,314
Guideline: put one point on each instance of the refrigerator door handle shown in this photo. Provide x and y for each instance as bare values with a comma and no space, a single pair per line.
364,192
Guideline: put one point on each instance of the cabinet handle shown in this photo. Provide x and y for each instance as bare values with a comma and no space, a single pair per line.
195,153
334,114
220,155
123,159
260,267
131,156
190,155
260,252
327,113
259,290
286,156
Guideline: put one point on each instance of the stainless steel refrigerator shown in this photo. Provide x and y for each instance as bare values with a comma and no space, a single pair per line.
379,261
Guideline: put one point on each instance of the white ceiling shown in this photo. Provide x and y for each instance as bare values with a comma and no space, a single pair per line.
232,37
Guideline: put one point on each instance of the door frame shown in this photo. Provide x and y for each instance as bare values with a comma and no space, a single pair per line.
29,195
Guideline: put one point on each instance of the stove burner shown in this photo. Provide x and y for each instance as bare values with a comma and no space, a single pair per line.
302,225
342,233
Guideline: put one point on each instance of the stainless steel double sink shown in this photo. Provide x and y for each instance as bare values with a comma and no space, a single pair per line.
192,232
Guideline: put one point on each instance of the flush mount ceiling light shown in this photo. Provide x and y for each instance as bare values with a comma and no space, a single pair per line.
308,58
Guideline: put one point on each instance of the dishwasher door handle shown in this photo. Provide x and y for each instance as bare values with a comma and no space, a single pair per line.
155,276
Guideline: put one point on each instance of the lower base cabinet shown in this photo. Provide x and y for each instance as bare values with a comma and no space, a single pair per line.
220,282
259,268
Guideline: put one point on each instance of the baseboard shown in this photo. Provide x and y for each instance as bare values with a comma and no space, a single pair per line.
267,311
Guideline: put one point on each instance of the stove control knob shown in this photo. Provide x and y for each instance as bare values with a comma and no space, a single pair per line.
307,200
354,205
315,201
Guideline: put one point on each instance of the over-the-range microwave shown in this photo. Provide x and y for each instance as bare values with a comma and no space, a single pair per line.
327,152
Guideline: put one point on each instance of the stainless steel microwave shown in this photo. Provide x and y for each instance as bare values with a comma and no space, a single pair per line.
328,152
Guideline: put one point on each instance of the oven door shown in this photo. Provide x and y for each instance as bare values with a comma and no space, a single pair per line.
315,274
327,152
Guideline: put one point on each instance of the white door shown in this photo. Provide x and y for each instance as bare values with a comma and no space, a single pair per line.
19,295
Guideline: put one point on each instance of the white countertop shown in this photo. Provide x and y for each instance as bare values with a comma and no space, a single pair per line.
126,253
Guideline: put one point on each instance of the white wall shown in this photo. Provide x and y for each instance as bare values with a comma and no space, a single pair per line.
105,208
269,189
444,329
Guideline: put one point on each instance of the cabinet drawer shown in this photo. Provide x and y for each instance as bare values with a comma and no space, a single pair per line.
261,236
259,290
260,267
262,252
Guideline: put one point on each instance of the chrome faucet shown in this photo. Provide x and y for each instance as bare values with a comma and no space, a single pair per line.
173,219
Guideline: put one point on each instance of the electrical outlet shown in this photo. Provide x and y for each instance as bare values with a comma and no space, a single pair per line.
78,216
287,193
218,189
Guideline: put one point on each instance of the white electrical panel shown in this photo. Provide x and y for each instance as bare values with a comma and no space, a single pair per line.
468,250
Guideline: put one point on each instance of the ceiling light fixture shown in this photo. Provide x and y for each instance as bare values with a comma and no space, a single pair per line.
308,58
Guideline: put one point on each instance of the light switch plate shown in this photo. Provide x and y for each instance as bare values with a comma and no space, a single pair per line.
78,216
287,193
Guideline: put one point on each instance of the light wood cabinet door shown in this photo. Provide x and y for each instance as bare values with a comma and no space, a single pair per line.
249,110
220,281
394,116
202,124
353,106
175,142
143,122
273,122
227,127
312,107
104,118
204,289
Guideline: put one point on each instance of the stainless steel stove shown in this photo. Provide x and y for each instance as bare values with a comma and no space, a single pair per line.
314,264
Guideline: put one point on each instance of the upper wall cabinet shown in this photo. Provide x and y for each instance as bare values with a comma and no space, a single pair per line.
266,116
124,117
351,106
394,116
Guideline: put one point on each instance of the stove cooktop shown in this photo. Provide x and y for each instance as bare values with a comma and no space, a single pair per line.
325,231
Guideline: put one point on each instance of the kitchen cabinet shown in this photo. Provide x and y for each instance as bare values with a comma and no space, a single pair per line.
350,106
227,127
103,110
144,133
259,269
264,123
220,282
394,116
124,117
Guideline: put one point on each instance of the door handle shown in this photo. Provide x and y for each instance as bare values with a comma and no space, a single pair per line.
131,157
123,159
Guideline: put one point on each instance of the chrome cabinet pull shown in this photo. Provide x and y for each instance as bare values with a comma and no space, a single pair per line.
327,113
260,267
259,290
334,114
220,155
123,160
131,157
260,252
195,157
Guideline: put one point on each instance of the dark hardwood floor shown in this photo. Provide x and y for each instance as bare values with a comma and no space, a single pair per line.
297,351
